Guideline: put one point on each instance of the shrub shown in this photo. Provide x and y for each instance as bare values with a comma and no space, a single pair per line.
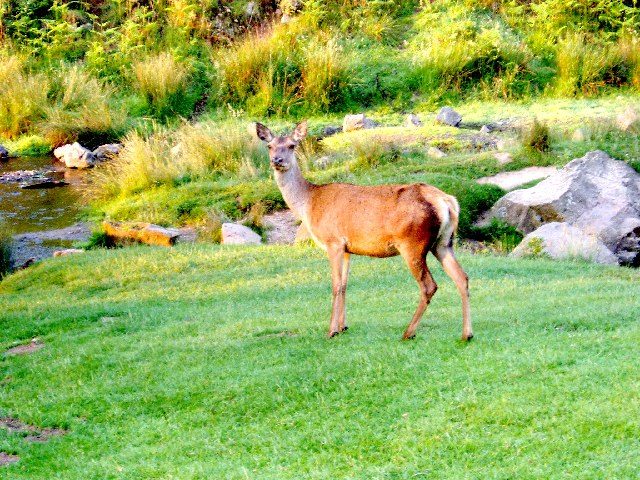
373,152
499,233
162,81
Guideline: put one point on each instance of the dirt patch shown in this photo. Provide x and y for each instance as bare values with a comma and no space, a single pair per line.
281,227
33,346
6,458
34,434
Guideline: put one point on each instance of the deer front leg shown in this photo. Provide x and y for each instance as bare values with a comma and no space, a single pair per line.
336,258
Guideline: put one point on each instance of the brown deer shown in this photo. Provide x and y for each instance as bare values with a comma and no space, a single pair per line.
379,221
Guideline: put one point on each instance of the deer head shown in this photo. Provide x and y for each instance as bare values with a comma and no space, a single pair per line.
282,149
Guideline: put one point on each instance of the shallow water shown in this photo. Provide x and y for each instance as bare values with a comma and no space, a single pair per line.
40,209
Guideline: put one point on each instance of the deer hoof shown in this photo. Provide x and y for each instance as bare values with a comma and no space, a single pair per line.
344,329
408,337
467,338
333,334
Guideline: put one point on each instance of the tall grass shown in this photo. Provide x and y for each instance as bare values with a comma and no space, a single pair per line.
162,81
22,97
80,107
174,157
586,66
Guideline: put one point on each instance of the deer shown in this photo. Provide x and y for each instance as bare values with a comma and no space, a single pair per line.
377,221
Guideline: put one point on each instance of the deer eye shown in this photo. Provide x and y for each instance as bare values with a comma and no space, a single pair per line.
291,147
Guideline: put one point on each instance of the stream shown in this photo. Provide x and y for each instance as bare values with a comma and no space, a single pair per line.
25,211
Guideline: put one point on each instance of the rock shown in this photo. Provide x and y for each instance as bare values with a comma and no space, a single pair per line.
107,151
4,153
19,176
503,157
147,233
331,130
43,183
595,193
302,234
435,152
357,122
449,116
486,129
629,120
559,240
511,180
579,135
412,120
236,234
286,18
67,251
75,156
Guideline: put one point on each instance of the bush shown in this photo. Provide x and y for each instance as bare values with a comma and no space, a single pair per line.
499,233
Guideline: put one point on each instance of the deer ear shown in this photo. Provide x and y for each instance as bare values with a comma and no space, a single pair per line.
300,131
263,133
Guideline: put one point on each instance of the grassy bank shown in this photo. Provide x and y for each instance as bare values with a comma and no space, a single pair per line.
203,361
213,169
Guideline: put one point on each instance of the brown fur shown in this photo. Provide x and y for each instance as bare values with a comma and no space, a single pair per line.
379,221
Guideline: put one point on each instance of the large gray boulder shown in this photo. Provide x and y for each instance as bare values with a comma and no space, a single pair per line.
595,193
559,240
449,116
75,156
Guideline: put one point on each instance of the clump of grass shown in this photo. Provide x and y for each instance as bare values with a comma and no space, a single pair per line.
373,152
162,81
255,217
22,97
5,250
210,229
536,137
29,146
499,234
80,109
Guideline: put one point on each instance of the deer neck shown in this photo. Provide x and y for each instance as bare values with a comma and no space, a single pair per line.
295,190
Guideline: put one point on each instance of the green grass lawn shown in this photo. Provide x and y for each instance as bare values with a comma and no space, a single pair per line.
212,362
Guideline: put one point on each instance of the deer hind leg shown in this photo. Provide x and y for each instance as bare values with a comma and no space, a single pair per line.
416,261
450,264
336,259
342,326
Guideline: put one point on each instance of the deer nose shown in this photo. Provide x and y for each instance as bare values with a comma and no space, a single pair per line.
278,161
